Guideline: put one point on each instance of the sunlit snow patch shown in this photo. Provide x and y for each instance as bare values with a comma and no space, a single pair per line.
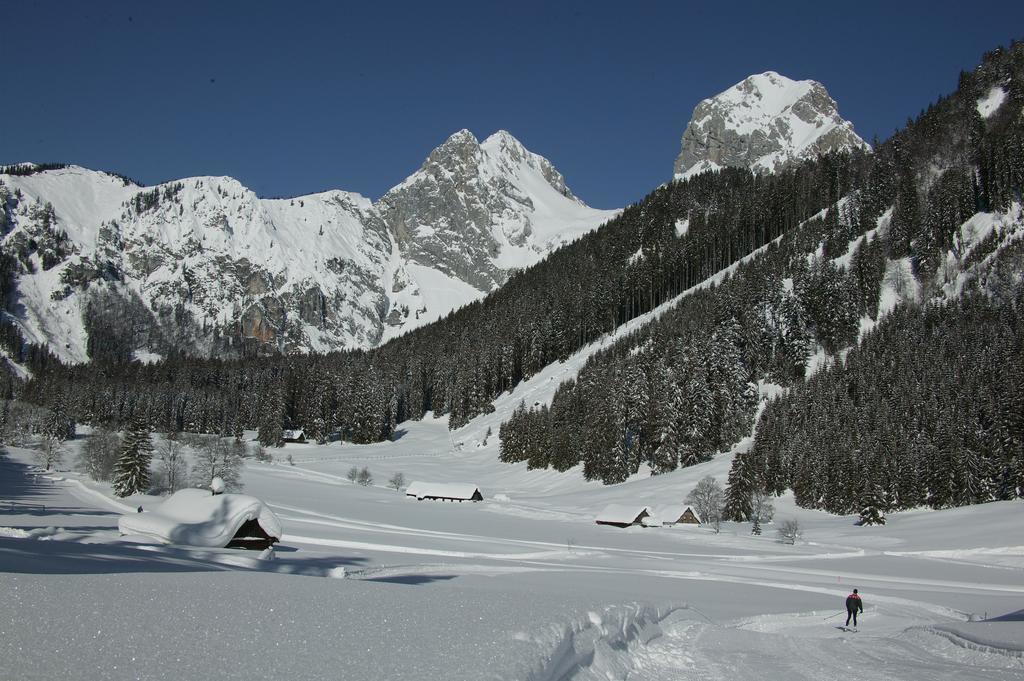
991,102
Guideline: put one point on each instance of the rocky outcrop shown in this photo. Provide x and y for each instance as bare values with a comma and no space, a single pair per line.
763,123
472,203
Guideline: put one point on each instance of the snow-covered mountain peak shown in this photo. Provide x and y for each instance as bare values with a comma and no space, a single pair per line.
461,147
474,211
508,153
763,122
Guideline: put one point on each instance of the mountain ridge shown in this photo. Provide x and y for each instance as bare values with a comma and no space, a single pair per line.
242,274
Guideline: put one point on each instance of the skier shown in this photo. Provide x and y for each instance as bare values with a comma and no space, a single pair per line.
853,605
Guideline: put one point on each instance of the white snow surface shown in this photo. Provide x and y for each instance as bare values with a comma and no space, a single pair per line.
529,588
991,102
196,517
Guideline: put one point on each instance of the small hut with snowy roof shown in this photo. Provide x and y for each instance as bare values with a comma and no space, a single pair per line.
202,517
678,514
444,491
295,435
620,515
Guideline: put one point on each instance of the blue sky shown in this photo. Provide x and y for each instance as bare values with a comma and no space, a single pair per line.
294,97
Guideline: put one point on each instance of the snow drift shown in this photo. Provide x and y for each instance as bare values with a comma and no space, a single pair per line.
195,517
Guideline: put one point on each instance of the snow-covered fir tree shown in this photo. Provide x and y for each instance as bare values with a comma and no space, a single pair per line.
872,508
131,473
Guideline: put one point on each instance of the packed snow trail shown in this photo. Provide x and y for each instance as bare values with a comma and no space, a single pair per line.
803,647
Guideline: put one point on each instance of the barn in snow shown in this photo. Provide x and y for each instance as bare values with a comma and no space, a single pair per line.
444,491
297,435
620,515
677,514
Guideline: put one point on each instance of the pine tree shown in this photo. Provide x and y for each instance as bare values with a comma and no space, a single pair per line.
739,490
131,474
872,507
271,428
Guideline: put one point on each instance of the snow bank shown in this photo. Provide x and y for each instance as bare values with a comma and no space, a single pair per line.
195,517
597,645
1004,638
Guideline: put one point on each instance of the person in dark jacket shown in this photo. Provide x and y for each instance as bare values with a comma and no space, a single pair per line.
853,605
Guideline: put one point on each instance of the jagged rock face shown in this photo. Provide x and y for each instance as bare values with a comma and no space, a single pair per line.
476,210
205,267
763,123
215,268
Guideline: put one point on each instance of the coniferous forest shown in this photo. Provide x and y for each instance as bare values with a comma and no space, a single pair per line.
925,409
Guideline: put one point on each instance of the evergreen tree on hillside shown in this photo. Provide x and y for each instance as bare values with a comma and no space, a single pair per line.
872,507
665,457
270,431
131,474
739,490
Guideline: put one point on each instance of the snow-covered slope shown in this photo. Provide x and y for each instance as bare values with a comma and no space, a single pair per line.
203,265
762,123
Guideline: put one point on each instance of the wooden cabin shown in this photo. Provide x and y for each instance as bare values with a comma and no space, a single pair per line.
619,515
682,515
444,491
251,535
297,435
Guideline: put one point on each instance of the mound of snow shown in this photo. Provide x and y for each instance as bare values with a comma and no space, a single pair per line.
195,517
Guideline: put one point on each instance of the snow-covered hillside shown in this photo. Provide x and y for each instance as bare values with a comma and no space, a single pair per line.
762,123
204,265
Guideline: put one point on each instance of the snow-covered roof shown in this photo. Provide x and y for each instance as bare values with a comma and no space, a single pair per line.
195,517
673,512
293,434
620,513
443,490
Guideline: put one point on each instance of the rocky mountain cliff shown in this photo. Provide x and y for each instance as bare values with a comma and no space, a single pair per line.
505,206
103,268
763,123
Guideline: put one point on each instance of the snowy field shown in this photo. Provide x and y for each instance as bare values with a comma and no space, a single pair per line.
368,584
